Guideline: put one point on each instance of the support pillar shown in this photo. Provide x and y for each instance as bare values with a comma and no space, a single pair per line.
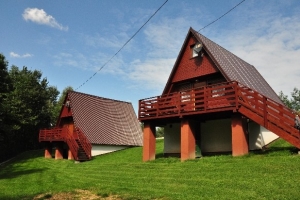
59,151
188,142
149,142
70,155
48,150
239,136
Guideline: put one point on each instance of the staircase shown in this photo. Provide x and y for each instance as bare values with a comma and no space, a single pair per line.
273,116
77,142
84,147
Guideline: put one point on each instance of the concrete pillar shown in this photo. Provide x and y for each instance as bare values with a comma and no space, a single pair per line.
70,155
59,151
149,142
239,136
48,150
188,142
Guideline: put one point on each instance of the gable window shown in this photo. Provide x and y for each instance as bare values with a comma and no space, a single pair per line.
196,49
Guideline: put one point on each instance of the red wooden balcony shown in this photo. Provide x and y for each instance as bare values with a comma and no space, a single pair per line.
224,97
213,98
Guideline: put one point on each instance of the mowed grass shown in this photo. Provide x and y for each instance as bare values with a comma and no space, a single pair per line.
272,174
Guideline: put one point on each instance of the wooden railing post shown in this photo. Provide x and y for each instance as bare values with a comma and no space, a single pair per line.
265,112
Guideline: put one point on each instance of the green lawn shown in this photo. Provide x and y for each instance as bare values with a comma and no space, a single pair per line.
273,174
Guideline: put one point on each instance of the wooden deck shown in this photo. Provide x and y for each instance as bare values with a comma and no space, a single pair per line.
229,96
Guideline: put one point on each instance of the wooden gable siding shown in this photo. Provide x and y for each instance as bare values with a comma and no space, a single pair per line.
66,112
189,68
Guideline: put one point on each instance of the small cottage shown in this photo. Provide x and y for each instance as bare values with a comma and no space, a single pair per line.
89,125
214,102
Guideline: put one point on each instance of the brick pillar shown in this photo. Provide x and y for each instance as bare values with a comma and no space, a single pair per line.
149,142
59,151
48,150
70,155
239,136
188,142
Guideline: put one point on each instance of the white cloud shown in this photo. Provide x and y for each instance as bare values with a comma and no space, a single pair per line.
15,55
274,51
151,74
39,16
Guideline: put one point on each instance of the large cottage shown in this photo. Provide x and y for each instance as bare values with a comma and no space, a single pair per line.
214,102
89,125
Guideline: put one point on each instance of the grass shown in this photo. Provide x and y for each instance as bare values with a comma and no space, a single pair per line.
272,174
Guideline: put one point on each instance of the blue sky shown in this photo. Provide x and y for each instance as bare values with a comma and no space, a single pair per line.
71,40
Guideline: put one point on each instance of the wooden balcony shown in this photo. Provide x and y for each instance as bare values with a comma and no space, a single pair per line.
224,97
55,134
219,97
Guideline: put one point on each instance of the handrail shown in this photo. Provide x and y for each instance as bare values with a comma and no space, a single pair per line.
273,115
70,140
197,99
86,145
54,134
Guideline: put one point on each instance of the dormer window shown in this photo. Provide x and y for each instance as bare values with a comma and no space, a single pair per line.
196,49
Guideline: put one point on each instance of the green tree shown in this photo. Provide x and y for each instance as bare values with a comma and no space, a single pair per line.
30,108
5,88
293,102
160,132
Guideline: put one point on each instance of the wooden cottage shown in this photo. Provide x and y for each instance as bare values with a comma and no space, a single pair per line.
89,125
214,102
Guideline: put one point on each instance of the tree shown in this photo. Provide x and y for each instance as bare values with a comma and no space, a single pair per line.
160,132
293,102
29,105
5,88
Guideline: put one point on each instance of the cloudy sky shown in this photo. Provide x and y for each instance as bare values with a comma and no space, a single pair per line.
72,42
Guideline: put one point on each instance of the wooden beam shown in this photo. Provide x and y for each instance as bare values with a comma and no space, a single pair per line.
239,136
188,142
149,142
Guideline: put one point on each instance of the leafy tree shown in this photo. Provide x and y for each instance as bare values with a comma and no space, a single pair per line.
5,88
160,132
293,102
26,106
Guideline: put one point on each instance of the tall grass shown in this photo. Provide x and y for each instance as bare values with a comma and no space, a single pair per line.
272,174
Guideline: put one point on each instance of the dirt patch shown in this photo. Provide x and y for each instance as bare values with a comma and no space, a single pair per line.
77,194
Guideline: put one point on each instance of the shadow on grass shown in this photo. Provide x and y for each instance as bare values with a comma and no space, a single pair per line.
276,150
14,173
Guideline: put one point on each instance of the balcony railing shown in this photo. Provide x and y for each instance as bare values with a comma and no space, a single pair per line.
205,99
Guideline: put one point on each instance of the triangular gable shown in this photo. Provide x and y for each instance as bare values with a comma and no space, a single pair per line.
189,68
65,111
229,65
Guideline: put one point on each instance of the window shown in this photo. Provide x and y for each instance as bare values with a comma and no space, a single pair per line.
196,49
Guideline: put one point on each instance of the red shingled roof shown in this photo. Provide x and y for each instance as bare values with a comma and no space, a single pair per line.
105,121
236,69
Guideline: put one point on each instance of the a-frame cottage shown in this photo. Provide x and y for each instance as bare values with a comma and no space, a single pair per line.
214,102
89,125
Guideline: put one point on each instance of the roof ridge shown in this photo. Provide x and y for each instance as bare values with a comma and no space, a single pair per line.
94,96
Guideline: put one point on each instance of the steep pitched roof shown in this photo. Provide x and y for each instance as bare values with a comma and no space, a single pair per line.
105,121
232,67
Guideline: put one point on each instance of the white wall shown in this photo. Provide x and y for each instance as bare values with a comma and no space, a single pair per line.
98,149
216,136
259,136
